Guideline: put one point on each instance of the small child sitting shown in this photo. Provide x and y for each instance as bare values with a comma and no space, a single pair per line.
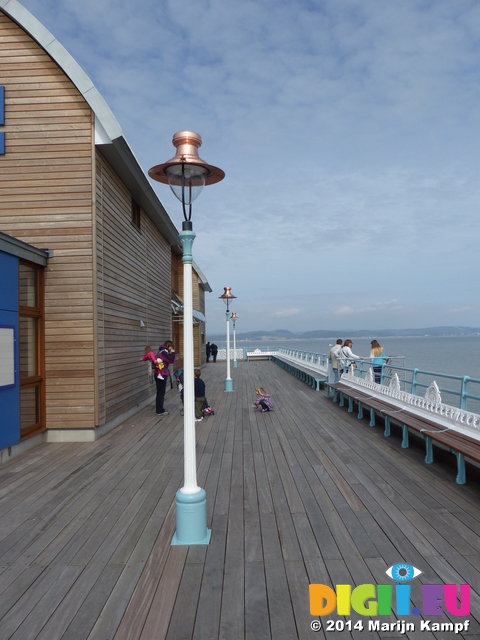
157,362
263,400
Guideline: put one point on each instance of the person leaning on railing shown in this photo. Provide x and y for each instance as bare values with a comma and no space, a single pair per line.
378,356
345,356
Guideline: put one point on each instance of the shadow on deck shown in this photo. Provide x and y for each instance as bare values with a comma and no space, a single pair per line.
306,493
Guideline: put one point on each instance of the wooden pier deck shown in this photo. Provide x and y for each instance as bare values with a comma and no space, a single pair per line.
306,493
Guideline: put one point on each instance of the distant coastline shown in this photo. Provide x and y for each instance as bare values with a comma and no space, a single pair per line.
328,334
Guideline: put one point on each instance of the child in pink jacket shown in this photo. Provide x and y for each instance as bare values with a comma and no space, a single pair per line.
150,355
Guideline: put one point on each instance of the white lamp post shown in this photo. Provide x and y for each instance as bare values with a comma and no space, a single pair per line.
187,173
234,318
226,297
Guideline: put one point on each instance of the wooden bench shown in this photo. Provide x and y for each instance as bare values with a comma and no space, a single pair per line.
432,429
305,371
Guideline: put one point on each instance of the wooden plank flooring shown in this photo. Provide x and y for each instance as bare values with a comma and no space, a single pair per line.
304,494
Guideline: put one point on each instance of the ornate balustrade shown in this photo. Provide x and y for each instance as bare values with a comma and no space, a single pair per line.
429,406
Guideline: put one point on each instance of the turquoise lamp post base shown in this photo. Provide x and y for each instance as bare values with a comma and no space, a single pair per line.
228,384
234,364
191,514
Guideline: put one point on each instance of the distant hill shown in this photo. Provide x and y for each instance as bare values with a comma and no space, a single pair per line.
390,333
284,334
256,335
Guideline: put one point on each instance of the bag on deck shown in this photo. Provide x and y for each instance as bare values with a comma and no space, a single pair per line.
207,409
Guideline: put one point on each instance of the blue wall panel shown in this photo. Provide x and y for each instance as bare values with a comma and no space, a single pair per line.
9,396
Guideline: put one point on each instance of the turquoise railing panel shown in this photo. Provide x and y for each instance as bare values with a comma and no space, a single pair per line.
461,391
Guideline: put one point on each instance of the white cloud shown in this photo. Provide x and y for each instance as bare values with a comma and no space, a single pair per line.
390,306
459,310
344,311
286,313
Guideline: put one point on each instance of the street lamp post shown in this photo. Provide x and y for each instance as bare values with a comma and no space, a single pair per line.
226,297
234,318
187,174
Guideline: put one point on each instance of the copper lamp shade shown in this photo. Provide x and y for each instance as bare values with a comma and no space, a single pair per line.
186,144
233,316
227,295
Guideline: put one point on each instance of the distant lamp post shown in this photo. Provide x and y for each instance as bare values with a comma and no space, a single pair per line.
226,297
187,174
234,318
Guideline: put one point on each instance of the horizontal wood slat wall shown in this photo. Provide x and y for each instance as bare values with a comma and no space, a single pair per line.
133,284
105,275
46,200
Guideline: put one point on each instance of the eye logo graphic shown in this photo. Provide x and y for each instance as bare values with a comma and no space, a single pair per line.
403,572
376,600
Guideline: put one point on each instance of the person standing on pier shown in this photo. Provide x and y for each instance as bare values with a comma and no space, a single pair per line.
346,356
333,358
166,353
208,350
378,359
199,387
214,351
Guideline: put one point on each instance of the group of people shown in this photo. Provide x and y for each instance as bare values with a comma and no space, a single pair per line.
161,362
165,357
341,357
211,350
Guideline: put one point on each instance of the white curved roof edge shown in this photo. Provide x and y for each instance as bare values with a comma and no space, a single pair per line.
108,127
202,281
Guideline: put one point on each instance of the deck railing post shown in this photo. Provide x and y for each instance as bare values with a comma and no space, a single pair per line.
414,382
463,396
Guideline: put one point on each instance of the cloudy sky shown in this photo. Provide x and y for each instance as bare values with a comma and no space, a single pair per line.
349,134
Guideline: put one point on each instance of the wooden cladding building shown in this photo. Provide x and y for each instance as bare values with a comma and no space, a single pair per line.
70,184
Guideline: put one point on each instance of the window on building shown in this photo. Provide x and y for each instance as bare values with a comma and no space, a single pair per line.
31,348
136,217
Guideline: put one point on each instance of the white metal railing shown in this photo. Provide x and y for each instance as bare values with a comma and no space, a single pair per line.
431,404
